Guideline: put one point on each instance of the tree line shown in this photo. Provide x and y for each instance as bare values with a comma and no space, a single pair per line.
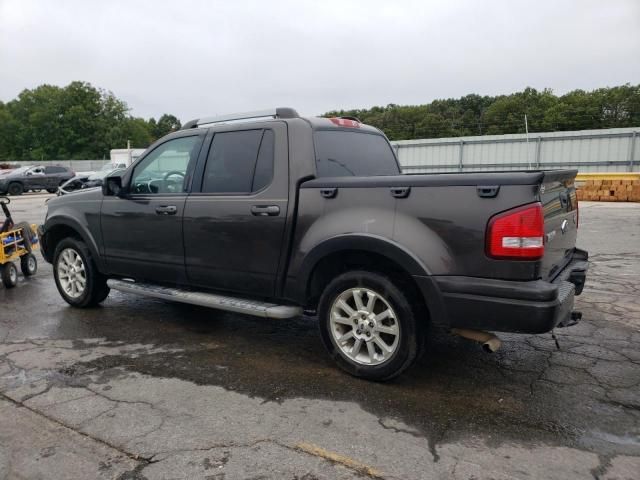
486,115
74,122
80,121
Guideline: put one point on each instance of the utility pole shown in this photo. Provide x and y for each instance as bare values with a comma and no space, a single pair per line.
526,129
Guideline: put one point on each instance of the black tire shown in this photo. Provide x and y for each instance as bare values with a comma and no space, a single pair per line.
15,188
95,288
9,275
29,265
27,234
409,338
52,190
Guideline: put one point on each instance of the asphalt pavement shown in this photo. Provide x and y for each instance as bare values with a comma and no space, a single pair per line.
140,388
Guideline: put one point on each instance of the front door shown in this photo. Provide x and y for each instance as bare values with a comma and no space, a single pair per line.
35,178
235,217
142,230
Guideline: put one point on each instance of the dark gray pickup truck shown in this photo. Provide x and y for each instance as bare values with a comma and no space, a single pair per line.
271,214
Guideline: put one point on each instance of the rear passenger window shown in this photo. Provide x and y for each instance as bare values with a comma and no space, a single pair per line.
239,162
264,165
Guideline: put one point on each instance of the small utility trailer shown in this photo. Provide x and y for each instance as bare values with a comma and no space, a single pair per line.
17,242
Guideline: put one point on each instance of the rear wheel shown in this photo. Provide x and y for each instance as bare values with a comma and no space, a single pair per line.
29,265
15,188
9,275
78,280
52,190
368,325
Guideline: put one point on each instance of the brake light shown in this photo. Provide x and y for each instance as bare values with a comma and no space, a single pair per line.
345,122
517,233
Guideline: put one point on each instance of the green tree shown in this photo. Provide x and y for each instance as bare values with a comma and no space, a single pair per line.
482,115
166,124
78,121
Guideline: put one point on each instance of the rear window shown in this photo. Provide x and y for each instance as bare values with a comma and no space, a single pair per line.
357,154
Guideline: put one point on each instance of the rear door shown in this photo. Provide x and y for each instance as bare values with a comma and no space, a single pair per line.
235,217
53,176
560,207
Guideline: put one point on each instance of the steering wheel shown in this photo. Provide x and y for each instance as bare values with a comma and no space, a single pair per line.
169,186
5,200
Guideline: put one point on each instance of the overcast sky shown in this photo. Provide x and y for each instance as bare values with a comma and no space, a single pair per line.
197,58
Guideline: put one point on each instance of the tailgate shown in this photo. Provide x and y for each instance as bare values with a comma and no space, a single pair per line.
560,206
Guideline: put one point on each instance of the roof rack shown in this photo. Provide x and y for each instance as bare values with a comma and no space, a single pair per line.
280,112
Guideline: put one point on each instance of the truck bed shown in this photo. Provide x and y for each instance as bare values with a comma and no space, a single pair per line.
443,218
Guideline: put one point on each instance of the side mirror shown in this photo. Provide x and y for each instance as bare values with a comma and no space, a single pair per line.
29,174
112,186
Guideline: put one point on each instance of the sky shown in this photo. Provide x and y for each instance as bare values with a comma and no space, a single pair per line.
199,58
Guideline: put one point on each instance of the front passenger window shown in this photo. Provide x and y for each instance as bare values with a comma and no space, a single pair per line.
164,170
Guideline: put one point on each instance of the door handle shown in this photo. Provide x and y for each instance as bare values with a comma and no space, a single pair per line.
265,210
167,210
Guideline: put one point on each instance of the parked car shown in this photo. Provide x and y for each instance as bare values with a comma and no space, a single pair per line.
271,214
81,182
24,179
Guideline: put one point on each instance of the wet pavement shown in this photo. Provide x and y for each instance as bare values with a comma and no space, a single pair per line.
141,388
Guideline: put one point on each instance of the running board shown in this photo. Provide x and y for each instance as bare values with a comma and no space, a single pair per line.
220,302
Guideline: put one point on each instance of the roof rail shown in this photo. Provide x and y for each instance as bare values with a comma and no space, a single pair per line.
280,112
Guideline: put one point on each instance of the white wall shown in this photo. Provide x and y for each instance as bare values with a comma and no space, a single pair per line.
608,150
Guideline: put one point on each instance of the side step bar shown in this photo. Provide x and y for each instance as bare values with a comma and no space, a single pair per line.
220,302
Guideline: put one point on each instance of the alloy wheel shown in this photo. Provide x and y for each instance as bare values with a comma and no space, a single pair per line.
364,326
71,273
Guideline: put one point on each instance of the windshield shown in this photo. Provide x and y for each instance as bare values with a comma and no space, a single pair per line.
343,154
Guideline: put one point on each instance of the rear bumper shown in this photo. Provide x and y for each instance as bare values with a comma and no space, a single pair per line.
509,306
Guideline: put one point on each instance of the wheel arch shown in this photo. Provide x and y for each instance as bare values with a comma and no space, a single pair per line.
59,228
347,252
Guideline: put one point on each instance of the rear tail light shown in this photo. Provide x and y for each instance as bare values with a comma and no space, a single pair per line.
345,122
517,233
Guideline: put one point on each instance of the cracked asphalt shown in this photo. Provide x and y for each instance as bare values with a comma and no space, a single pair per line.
145,389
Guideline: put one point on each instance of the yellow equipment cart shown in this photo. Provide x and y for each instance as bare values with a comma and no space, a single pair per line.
17,242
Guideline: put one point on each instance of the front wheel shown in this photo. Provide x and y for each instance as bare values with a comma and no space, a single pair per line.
52,190
368,325
78,280
15,189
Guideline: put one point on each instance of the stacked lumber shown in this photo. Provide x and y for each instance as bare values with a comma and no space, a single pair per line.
607,188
